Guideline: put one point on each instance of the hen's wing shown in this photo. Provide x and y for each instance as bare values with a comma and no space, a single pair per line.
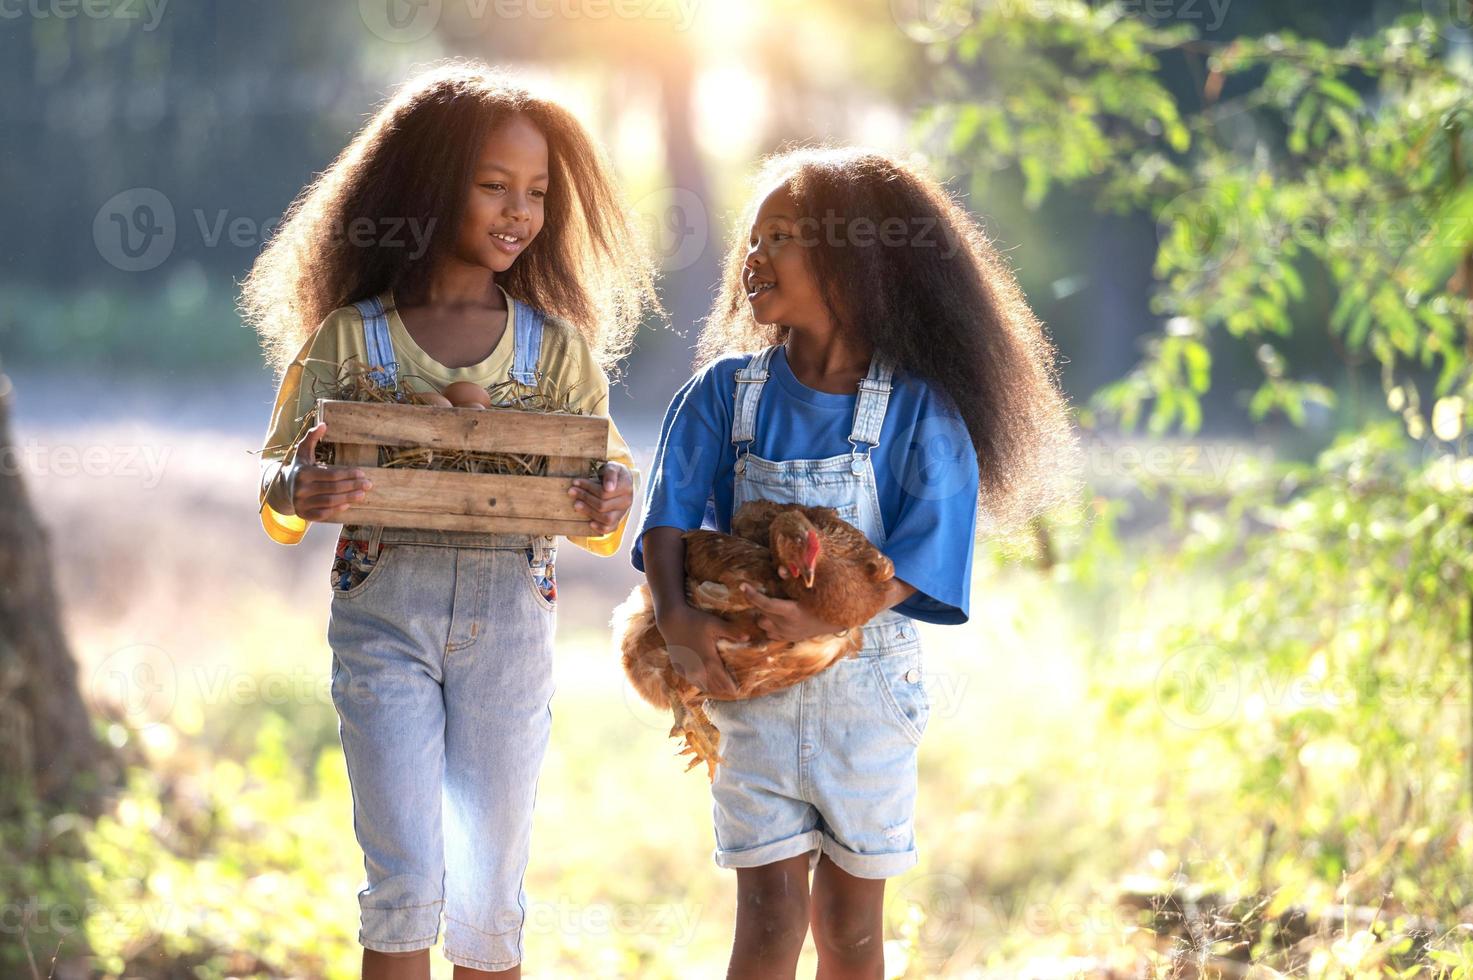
725,560
752,520
765,666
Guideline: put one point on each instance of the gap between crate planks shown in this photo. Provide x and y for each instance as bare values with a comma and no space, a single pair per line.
447,500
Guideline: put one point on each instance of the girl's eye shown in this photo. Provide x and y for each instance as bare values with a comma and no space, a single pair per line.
539,193
493,187
775,236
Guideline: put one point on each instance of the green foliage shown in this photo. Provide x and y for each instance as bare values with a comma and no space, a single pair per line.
1335,665
225,867
189,326
1326,169
42,883
1318,695
1075,94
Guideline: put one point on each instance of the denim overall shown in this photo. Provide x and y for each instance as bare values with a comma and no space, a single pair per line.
442,678
829,764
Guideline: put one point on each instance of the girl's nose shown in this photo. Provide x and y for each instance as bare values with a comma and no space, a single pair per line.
517,207
754,257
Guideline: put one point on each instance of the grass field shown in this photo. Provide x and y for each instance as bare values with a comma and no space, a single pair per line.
233,850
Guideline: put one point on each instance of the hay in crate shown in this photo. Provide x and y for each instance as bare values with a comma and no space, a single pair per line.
356,383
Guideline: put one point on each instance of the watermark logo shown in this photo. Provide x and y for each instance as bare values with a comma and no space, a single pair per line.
676,226
938,462
1199,687
141,680
145,461
137,230
407,21
945,913
150,11
400,21
1207,235
134,230
930,21
1452,17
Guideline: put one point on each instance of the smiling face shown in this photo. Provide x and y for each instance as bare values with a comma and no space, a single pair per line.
780,283
504,204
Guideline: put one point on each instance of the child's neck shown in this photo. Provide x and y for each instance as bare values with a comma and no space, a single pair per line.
460,284
828,360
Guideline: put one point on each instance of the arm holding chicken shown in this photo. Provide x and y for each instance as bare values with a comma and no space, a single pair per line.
733,616
785,619
682,626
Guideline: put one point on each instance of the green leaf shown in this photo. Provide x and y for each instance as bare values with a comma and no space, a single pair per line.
1199,366
1339,91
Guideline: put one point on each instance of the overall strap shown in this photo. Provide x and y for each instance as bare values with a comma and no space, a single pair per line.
527,349
383,369
870,406
749,382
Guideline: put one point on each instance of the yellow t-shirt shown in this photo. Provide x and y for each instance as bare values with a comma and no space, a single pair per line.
565,363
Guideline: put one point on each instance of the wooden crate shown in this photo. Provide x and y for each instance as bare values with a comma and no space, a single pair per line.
447,500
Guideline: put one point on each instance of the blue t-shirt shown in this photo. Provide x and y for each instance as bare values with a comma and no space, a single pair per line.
925,470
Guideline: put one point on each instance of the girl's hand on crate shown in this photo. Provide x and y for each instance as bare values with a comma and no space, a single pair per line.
320,492
604,502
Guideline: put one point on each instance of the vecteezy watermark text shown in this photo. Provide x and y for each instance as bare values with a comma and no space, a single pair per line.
153,10
136,230
407,21
33,458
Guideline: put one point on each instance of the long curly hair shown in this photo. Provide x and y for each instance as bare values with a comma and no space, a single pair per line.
935,296
406,173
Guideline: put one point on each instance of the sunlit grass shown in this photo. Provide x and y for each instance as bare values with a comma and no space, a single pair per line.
1054,773
233,848
247,795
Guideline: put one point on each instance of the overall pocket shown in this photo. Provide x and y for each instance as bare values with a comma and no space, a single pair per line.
356,566
903,688
542,576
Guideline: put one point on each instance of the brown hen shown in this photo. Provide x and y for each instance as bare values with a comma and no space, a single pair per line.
806,554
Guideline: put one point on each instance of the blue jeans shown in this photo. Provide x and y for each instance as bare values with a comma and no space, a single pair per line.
442,678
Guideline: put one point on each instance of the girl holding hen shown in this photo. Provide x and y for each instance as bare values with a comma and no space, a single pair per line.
868,347
471,232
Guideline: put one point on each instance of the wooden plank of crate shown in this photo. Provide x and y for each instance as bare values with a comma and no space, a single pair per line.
486,430
569,466
483,494
460,522
355,454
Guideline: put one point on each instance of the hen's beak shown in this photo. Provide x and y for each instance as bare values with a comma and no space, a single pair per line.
808,577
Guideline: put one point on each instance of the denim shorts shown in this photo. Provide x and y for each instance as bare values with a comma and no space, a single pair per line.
828,765
442,678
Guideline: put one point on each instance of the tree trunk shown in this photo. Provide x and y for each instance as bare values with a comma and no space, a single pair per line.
686,287
50,752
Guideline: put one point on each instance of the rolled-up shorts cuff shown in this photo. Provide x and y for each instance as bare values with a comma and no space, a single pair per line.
401,930
886,865
779,850
488,965
465,945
